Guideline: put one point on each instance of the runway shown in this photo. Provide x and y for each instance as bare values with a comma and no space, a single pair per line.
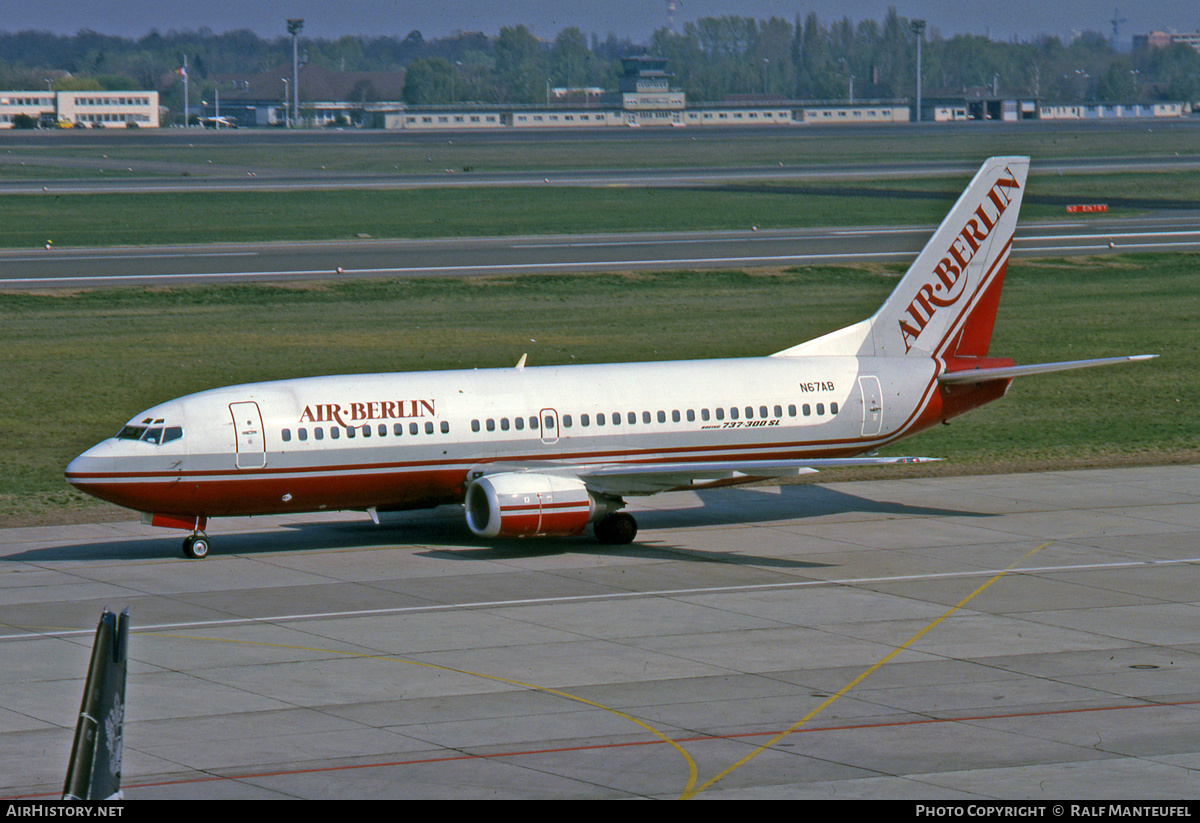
1028,636
468,257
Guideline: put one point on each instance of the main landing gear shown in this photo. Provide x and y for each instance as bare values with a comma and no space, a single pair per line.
195,546
616,529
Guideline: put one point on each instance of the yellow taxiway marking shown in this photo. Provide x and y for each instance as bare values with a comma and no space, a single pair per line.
692,792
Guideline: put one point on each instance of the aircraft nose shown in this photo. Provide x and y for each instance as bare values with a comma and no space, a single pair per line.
95,461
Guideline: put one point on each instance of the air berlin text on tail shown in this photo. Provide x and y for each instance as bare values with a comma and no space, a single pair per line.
951,281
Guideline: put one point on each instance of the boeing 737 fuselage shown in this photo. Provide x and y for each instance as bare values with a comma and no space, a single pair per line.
546,451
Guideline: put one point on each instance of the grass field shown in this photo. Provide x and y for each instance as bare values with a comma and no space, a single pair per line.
78,365
136,219
409,153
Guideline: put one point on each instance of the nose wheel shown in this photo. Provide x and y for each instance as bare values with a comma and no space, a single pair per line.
195,546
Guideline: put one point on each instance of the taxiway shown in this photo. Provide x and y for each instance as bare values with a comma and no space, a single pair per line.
24,269
1027,636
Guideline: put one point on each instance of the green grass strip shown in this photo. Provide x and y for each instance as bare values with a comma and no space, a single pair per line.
77,366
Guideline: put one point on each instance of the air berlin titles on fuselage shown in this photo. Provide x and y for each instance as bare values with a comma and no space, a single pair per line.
370,410
951,281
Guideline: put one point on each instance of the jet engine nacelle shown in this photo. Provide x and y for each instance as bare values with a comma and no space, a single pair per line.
525,504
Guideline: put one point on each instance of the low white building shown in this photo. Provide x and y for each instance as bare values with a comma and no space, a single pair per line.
852,115
82,109
32,104
109,109
1103,111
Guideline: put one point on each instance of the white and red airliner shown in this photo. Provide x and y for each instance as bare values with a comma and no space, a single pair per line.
546,451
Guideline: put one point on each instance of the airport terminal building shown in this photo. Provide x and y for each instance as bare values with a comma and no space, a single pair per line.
644,99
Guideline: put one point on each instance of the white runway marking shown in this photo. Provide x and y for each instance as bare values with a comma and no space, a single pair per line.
535,601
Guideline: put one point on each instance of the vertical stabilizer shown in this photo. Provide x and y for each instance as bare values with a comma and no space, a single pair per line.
946,302
94,772
951,291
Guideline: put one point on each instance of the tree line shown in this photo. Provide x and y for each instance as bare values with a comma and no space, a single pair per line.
711,59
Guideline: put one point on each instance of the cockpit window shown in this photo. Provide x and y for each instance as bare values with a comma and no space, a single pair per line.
151,433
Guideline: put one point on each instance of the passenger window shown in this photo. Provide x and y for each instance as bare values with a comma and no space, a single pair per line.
600,419
631,417
413,429
533,424
303,433
806,409
474,425
503,424
286,434
720,413
491,425
334,433
733,413
350,432
762,411
704,415
691,415
820,408
566,421
446,426
319,433
749,412
791,409
429,427
520,422
549,422
366,430
584,420
645,417
662,416
833,408
616,418
398,428
382,430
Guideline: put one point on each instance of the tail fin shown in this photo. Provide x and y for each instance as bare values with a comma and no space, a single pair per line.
94,772
945,305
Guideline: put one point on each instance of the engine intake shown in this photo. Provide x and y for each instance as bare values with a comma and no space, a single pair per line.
521,504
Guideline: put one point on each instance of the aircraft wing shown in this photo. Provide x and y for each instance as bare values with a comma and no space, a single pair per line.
651,478
635,479
1007,372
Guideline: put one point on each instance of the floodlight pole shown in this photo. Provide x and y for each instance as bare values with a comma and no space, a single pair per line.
294,26
918,27
186,101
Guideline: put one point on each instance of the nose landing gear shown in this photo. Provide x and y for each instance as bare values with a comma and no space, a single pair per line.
195,546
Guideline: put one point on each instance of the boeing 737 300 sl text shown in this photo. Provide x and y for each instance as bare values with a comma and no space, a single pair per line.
545,451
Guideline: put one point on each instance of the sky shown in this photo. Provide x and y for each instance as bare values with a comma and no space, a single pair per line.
998,19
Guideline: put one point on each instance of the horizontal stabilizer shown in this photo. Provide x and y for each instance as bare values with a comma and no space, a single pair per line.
1007,372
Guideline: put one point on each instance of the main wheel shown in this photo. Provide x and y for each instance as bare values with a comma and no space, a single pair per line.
616,529
195,546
